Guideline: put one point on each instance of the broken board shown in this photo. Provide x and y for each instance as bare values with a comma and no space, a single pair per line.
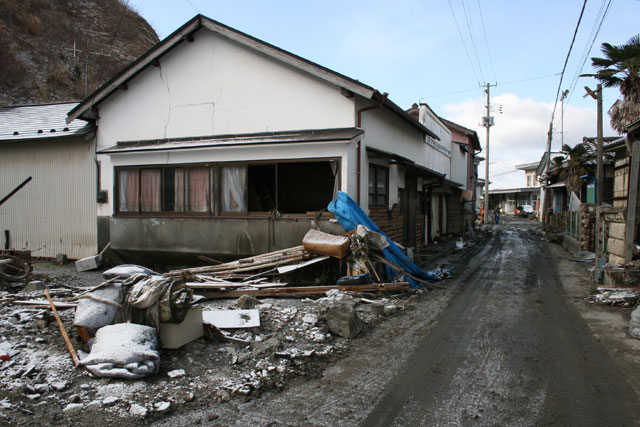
232,319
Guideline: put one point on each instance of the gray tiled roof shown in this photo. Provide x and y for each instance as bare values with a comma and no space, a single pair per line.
37,121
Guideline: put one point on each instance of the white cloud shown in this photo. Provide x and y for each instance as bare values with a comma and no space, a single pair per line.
520,132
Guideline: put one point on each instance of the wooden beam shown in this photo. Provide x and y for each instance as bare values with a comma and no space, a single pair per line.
632,202
303,291
62,329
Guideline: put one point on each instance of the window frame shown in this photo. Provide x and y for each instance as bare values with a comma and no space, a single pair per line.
215,182
373,201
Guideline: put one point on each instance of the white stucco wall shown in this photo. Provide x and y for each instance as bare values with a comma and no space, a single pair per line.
458,165
386,131
214,86
436,154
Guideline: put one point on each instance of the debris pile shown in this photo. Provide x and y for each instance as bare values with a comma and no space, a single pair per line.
615,296
201,332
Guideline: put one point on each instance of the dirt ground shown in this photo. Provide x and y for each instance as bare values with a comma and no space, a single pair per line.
294,372
39,384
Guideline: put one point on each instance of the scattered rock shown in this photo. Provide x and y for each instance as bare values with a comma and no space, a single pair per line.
161,407
176,373
390,309
343,320
110,401
268,344
59,385
138,411
35,285
41,388
73,409
18,387
247,302
310,318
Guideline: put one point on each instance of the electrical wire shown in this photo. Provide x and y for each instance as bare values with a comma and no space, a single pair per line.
501,84
564,67
193,6
473,40
602,17
486,41
463,43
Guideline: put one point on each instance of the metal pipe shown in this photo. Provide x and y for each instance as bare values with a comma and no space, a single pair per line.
15,190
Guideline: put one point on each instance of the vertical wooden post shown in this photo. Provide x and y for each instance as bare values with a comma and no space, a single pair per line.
632,202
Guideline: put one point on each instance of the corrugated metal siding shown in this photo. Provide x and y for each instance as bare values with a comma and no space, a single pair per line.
55,212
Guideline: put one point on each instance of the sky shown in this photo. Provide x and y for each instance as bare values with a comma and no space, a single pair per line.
443,53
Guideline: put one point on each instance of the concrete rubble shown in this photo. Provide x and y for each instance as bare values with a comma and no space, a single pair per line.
295,337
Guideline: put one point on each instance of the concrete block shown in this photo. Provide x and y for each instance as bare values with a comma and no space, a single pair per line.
617,230
615,259
35,285
175,335
89,263
615,246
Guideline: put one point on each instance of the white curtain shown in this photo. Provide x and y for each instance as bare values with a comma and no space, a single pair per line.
150,190
233,187
199,189
178,190
128,190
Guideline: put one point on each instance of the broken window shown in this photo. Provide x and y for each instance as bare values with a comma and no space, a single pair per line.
378,185
262,188
306,186
288,187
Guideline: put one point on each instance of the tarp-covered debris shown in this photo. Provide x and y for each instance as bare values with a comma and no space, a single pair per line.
350,215
124,350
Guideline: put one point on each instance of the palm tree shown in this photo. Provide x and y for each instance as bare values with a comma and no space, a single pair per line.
576,160
621,68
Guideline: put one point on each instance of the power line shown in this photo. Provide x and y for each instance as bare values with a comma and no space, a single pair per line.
193,6
504,173
473,40
602,17
486,41
463,43
501,84
564,67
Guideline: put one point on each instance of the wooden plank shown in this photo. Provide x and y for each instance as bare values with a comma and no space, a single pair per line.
43,303
290,268
62,329
632,202
304,291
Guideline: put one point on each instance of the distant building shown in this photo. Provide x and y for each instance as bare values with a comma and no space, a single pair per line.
509,199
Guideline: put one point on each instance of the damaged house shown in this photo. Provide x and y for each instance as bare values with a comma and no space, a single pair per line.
46,166
215,142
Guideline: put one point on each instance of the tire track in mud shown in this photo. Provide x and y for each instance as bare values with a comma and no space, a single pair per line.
508,351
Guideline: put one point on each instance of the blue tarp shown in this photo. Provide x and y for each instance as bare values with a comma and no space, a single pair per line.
350,215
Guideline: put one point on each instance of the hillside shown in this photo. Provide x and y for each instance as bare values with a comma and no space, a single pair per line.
60,50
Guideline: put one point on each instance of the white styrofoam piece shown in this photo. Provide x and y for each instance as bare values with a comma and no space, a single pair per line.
232,319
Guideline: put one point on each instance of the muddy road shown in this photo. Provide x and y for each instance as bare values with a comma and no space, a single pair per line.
509,350
503,344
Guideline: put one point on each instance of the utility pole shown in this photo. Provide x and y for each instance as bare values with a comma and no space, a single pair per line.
487,122
545,184
562,98
597,95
